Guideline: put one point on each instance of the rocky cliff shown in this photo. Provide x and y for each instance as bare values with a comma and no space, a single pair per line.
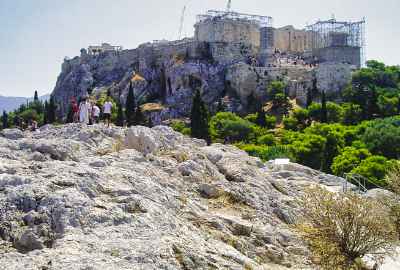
169,72
75,197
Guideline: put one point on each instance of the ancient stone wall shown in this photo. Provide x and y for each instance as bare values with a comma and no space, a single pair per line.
333,77
228,31
289,39
340,54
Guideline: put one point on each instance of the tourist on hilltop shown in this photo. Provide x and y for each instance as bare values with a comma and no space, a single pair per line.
95,113
75,110
107,108
84,111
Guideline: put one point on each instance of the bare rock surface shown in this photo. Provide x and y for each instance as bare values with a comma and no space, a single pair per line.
77,197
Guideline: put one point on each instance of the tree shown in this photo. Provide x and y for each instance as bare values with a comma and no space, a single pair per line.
139,118
324,110
382,137
70,115
228,127
341,229
150,122
36,97
45,115
374,169
280,101
5,120
199,118
261,117
309,98
120,115
348,160
352,113
51,111
130,106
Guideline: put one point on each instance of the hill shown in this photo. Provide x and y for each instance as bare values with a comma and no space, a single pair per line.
11,103
140,198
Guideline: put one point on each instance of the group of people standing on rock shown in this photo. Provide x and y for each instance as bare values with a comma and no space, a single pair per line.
87,112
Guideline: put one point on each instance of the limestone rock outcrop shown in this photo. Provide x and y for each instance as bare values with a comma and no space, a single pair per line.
77,197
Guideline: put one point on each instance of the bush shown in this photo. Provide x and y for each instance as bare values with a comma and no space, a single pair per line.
335,112
271,121
340,229
348,160
267,139
382,137
374,168
352,113
266,153
306,148
228,127
291,123
181,127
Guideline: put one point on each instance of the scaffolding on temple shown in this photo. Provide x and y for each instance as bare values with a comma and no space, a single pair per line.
333,33
262,21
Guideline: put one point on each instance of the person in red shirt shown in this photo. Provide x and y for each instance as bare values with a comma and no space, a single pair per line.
75,110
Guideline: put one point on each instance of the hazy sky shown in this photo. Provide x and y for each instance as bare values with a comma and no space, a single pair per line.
36,35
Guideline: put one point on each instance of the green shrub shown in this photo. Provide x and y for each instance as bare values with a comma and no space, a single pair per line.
348,160
374,168
352,113
181,127
268,139
271,121
291,123
382,137
266,153
228,127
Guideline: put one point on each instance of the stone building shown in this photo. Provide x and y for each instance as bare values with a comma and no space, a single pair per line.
290,39
105,47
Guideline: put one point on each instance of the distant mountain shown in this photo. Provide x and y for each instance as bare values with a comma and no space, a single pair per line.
11,103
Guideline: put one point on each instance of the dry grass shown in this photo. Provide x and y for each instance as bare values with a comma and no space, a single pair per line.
116,147
342,228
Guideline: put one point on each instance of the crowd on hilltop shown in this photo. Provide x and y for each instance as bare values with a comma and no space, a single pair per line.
88,112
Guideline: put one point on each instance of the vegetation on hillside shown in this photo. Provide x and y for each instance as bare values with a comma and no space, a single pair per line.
360,135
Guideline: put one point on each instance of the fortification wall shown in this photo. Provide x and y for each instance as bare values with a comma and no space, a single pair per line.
229,31
289,39
340,54
333,77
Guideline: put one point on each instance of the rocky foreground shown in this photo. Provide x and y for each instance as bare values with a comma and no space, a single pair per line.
75,197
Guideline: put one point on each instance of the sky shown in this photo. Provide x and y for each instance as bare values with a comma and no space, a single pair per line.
36,35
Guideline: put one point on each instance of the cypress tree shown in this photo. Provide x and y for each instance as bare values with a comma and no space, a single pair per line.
5,120
261,116
199,119
120,115
51,112
36,97
46,113
372,101
150,122
139,118
309,99
130,106
324,110
70,115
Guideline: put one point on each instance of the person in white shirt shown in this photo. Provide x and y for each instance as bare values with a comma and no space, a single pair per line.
84,111
95,113
107,109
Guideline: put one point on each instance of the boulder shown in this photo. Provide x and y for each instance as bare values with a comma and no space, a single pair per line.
142,139
28,241
12,134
